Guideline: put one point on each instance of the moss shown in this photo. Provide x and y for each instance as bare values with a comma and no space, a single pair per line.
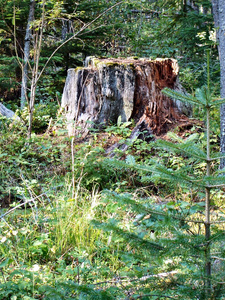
131,62
79,68
95,61
133,57
110,63
114,64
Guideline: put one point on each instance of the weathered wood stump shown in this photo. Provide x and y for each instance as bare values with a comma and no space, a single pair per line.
131,88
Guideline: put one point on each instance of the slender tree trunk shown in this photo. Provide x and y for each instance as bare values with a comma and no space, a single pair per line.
31,104
207,220
37,50
26,55
35,75
219,19
66,28
222,76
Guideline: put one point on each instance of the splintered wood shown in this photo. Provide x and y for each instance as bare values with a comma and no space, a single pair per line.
106,89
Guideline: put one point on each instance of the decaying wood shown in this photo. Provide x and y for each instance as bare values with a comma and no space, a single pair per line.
140,131
106,89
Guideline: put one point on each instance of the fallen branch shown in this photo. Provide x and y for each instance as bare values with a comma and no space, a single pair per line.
20,205
140,131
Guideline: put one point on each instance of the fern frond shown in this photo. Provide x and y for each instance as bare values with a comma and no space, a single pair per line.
85,290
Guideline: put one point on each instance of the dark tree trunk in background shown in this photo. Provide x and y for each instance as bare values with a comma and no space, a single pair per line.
219,18
26,55
107,89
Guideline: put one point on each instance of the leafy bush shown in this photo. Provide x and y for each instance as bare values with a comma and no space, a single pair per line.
41,117
26,164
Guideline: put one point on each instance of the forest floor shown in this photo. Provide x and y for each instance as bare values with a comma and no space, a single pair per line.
77,223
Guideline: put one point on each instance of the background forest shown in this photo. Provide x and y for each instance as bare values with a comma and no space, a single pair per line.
76,224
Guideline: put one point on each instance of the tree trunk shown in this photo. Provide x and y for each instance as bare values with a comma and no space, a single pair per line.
35,75
219,19
106,89
26,55
222,76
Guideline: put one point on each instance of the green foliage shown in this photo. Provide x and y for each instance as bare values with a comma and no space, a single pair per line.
174,225
97,228
24,164
120,128
50,232
142,235
144,29
42,115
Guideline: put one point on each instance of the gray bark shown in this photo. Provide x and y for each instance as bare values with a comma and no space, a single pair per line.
215,9
26,55
5,112
219,19
35,74
67,27
106,89
222,75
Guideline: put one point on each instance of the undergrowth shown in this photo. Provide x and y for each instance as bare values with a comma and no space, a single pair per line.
103,228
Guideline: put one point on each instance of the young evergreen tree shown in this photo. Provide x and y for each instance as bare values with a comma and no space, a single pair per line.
189,252
204,99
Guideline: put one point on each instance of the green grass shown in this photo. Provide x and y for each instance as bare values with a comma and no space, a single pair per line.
94,230
53,242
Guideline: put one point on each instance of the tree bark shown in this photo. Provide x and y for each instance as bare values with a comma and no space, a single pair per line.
26,55
219,19
222,76
107,89
215,10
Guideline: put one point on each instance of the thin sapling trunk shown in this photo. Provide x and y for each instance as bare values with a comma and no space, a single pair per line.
207,195
26,55
207,219
35,74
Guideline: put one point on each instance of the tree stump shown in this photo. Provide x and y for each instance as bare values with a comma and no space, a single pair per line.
106,89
